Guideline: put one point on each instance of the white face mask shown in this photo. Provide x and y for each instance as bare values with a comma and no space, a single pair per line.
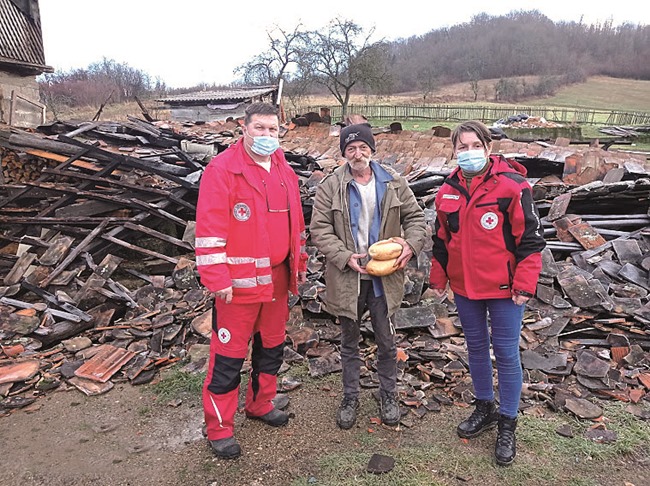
264,145
472,160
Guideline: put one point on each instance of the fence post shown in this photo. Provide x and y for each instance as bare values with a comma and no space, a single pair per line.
11,106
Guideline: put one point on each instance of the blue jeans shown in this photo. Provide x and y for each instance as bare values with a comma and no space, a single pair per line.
505,324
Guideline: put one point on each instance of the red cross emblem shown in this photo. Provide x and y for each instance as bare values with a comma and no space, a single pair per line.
242,212
224,335
489,220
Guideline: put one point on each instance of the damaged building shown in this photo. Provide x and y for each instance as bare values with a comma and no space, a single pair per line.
22,58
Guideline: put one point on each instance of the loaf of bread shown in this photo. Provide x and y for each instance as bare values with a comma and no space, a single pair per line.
380,268
385,250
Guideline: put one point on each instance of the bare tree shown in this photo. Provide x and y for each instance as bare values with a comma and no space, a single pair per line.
427,81
272,65
342,57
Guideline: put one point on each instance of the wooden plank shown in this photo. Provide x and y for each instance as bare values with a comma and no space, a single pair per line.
151,253
54,301
161,236
85,127
70,220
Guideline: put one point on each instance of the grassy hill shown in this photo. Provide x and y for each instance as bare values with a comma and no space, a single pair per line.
601,92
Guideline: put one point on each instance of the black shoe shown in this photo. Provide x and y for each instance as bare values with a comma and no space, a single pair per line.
274,418
390,414
484,417
506,446
227,448
347,413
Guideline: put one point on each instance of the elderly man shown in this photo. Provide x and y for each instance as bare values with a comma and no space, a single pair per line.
357,205
250,251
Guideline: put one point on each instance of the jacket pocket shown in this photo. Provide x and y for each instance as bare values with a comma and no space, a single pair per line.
451,209
491,203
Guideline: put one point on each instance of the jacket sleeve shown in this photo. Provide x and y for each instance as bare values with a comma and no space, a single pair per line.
212,221
302,262
411,218
321,227
438,276
527,230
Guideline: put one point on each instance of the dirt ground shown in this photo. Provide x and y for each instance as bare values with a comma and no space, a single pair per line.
126,437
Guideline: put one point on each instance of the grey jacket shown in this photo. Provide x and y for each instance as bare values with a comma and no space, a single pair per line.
331,233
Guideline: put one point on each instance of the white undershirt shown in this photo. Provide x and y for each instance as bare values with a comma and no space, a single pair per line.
265,165
368,203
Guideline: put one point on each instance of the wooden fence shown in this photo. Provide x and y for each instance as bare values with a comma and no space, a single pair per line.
453,113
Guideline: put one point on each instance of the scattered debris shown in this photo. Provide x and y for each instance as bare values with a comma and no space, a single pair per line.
380,464
99,284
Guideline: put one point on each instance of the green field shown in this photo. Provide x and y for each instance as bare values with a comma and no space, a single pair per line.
602,93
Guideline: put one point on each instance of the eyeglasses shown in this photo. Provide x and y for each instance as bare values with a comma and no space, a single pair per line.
268,206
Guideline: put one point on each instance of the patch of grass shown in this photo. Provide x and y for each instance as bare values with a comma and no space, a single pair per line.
176,384
539,434
435,464
544,457
604,93
366,439
144,411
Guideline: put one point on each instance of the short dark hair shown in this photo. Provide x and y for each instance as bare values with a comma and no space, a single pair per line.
259,109
481,131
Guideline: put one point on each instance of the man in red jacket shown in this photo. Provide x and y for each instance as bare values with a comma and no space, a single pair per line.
487,246
250,252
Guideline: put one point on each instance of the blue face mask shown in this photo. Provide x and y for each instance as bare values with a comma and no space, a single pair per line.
265,145
472,160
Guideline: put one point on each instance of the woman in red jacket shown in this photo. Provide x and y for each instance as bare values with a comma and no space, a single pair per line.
487,246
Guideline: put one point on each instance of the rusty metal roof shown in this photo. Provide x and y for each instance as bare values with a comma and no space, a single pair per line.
233,94
21,39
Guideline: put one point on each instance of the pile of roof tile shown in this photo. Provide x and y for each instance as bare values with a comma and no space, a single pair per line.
99,283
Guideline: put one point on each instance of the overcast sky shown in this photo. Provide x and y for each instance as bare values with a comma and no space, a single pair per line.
186,42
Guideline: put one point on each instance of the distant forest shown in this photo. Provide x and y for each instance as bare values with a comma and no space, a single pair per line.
488,47
520,44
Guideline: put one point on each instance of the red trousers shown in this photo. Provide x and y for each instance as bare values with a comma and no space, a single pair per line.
265,322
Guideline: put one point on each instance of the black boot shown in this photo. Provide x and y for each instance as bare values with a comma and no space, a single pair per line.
484,417
506,446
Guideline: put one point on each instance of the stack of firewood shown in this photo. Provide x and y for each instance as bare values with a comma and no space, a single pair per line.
17,168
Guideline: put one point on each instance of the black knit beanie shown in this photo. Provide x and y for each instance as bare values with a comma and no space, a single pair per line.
354,133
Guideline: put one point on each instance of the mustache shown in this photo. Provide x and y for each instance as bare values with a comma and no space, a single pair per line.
360,159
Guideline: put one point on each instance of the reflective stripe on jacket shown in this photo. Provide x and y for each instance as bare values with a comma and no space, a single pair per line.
232,242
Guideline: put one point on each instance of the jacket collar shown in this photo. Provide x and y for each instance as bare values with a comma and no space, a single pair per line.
240,162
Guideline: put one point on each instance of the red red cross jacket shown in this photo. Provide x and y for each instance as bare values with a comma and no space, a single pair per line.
232,238
487,241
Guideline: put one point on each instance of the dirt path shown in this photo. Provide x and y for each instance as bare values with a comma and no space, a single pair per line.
126,438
